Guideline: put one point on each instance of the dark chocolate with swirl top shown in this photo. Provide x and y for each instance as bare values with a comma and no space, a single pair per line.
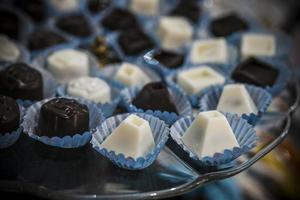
155,96
62,117
21,82
9,114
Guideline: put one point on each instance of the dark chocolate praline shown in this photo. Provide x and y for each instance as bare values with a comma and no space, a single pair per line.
169,59
62,117
256,72
36,9
188,9
134,41
44,38
75,24
155,96
21,82
9,115
10,24
97,6
119,19
226,25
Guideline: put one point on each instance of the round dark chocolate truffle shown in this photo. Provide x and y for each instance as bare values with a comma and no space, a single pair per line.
9,114
10,24
62,117
44,38
36,9
155,96
21,82
75,24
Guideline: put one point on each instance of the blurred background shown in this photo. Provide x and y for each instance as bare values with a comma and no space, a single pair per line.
277,176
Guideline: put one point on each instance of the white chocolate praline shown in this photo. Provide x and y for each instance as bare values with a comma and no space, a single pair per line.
145,7
65,5
133,138
174,32
196,79
68,64
209,51
90,88
209,133
236,99
131,75
258,45
8,50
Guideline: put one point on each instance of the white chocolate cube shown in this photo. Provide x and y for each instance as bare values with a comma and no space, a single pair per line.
93,89
133,138
9,51
209,51
145,7
131,75
196,79
65,5
209,133
174,32
68,64
236,99
258,45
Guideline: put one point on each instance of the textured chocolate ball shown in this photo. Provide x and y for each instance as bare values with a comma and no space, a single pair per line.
155,96
62,117
21,82
9,115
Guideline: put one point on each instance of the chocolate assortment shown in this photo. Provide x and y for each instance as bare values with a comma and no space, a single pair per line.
61,117
9,115
21,82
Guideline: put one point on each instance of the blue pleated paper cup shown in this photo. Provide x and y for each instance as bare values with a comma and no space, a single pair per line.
282,40
108,73
107,108
49,85
155,65
260,97
181,102
194,98
244,134
159,130
9,138
31,118
41,62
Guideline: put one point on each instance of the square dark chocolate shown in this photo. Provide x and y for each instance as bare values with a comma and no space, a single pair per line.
188,9
119,19
134,41
44,38
256,72
75,24
169,59
155,96
226,25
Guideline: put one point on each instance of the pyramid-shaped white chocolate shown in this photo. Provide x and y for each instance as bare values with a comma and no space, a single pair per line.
209,51
196,79
133,138
131,75
236,99
209,133
258,45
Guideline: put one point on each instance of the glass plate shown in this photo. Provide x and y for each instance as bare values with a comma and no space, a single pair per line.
31,167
